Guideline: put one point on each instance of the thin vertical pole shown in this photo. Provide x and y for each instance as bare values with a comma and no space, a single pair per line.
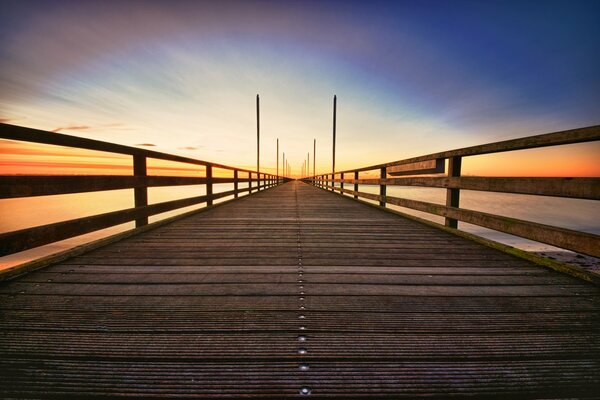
283,165
277,158
308,164
356,184
334,120
258,138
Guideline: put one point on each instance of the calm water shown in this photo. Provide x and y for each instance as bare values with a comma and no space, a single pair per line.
582,215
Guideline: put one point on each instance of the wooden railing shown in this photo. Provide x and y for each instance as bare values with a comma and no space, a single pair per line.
576,188
14,186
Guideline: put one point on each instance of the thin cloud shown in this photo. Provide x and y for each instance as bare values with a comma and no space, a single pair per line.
188,148
146,144
71,128
5,120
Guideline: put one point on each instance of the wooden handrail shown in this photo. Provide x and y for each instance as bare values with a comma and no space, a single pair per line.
20,133
14,186
579,135
18,186
576,188
453,182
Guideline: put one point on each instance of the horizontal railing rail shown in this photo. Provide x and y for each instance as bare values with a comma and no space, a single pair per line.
19,186
453,182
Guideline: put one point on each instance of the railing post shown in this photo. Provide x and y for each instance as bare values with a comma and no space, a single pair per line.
342,183
382,188
209,185
235,183
355,184
258,181
453,195
332,183
140,193
249,182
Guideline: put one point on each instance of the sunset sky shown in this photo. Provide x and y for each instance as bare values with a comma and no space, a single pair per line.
411,77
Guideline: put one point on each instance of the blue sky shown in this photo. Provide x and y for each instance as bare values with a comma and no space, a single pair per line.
411,77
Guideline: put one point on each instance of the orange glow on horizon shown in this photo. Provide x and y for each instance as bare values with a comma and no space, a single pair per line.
22,158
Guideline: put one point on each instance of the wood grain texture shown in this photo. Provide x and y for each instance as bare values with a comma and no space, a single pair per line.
212,305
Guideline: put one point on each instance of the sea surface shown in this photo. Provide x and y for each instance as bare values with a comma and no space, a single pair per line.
20,213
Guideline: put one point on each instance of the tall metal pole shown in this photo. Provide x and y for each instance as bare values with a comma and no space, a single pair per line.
258,136
334,118
308,164
277,158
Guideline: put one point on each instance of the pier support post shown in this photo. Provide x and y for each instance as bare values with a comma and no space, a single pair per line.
382,187
209,185
249,182
140,193
235,184
355,184
342,183
453,195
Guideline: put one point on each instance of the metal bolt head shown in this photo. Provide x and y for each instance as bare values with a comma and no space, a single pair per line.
305,391
302,351
303,367
302,338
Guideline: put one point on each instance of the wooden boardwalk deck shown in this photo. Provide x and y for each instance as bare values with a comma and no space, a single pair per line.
296,291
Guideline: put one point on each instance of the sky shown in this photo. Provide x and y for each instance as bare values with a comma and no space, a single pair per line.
411,78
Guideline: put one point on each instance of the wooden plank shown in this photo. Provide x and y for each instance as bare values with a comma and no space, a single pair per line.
359,304
282,289
520,379
437,166
291,276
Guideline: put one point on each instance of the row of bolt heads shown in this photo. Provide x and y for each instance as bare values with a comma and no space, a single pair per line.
302,338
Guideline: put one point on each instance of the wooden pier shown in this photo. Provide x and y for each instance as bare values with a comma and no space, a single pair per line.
296,291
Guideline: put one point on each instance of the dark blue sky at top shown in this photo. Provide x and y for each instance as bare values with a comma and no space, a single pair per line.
469,63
